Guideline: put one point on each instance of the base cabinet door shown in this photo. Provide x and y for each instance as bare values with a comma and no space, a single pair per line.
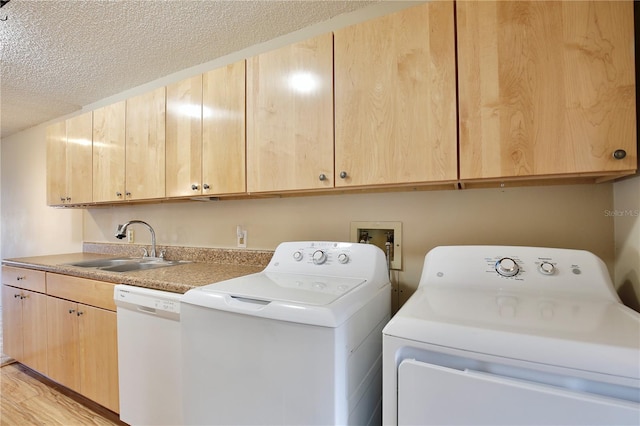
24,330
82,339
23,321
62,341
98,363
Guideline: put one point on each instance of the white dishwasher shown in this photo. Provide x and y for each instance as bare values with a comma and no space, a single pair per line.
149,356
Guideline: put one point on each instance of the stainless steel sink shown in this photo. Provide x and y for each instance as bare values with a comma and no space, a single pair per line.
128,264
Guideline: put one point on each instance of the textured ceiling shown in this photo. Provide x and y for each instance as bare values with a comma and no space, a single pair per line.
57,56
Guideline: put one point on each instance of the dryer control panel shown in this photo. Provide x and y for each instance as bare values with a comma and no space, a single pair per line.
525,268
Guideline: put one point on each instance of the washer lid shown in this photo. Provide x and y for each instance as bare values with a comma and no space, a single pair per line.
307,299
587,334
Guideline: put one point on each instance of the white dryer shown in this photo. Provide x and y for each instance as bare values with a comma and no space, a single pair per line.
512,335
299,343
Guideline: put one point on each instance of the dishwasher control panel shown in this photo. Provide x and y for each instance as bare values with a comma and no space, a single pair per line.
147,300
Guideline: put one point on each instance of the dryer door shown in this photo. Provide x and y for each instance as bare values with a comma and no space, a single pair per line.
434,395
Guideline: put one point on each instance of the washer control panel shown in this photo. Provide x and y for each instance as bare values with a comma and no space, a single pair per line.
328,258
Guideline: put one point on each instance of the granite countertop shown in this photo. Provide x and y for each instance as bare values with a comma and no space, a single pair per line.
207,266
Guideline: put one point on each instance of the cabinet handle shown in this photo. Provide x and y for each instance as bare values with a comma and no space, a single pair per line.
619,154
194,187
62,199
205,186
322,176
118,194
80,313
71,311
343,175
21,278
68,198
23,297
15,296
128,194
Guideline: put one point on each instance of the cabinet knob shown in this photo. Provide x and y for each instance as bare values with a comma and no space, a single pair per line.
343,175
619,154
194,187
322,176
205,186
62,199
71,311
128,194
68,198
80,313
118,194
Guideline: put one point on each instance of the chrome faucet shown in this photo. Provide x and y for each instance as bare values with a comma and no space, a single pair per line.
122,233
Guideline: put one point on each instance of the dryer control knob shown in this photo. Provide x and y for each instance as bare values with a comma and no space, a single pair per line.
297,256
507,267
319,257
547,268
343,258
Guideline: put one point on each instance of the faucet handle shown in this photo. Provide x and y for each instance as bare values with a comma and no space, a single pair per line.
162,253
145,253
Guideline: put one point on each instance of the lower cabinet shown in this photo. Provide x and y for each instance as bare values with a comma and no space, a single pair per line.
82,344
24,331
65,328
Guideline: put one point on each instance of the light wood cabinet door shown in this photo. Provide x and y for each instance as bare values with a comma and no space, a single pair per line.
62,342
34,320
396,98
79,159
223,130
56,136
108,153
98,346
145,146
69,163
545,88
24,317
184,137
12,334
290,117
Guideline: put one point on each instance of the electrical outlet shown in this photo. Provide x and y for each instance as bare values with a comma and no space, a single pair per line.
130,236
386,235
241,235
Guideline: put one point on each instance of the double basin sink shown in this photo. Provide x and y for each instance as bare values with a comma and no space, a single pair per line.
128,264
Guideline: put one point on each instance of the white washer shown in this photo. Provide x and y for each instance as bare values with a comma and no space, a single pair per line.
512,335
298,343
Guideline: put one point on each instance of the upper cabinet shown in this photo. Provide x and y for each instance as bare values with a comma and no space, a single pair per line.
546,88
395,98
223,130
145,146
69,164
184,137
290,117
206,133
108,153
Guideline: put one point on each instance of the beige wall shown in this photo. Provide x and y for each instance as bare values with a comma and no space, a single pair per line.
626,217
557,216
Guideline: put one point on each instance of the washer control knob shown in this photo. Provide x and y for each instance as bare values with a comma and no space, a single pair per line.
343,258
297,256
507,267
319,257
547,268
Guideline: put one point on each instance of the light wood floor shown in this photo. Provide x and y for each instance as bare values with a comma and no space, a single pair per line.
27,398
